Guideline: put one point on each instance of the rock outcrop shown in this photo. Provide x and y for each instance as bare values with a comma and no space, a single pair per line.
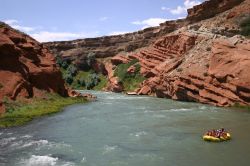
26,67
197,63
114,85
210,8
222,81
199,58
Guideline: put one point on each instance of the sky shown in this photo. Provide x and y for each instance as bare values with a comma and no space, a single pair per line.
57,20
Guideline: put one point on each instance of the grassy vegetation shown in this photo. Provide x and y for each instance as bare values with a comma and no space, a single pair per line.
130,81
20,112
242,107
245,27
103,82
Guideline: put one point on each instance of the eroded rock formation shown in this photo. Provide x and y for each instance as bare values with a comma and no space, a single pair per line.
210,8
26,67
197,63
221,79
200,58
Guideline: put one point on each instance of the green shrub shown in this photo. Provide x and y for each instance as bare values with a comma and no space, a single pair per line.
245,26
91,58
245,31
81,82
69,79
102,83
121,70
65,65
92,81
130,81
59,61
72,70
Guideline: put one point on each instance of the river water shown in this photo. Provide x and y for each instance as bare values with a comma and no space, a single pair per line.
119,130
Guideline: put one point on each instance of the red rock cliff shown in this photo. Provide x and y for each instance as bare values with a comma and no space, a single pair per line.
199,62
200,58
26,67
210,8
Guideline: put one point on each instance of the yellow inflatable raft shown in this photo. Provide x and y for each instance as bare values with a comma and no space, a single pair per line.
215,139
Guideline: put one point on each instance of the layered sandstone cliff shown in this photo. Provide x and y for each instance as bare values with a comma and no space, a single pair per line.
200,58
199,64
210,8
26,67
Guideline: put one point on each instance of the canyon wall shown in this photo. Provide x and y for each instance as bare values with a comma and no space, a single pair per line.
200,58
210,8
109,46
197,64
27,68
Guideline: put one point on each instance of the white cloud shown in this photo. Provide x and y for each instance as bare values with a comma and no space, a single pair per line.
45,36
118,32
11,21
182,9
151,22
178,10
103,18
163,8
15,24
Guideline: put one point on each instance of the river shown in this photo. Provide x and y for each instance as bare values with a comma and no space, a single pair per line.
120,130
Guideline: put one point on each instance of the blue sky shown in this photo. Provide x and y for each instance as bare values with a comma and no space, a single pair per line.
53,20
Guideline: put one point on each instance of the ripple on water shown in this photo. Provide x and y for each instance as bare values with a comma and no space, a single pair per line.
6,141
109,149
26,136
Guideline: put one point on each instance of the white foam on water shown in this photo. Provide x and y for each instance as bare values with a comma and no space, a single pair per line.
26,136
149,111
138,134
83,160
60,145
35,160
140,108
6,141
16,144
1,133
124,97
109,149
203,107
66,164
179,110
38,143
